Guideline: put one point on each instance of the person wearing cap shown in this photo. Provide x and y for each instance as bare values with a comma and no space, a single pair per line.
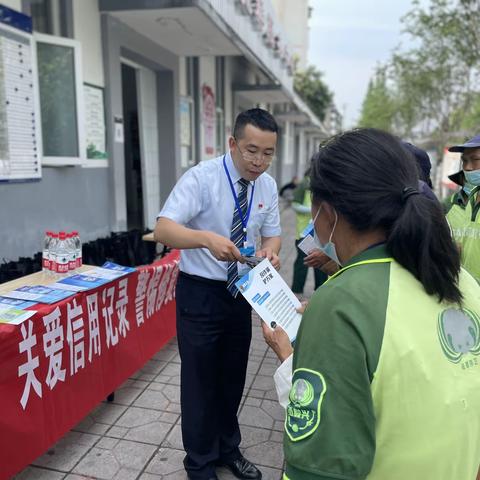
386,362
460,197
465,222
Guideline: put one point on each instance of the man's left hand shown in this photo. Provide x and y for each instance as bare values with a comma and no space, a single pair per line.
271,255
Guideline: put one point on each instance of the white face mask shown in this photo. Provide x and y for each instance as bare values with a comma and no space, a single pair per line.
328,248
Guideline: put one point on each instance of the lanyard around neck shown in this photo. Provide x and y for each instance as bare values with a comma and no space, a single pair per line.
237,203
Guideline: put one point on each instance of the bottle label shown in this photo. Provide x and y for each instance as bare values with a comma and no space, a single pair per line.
79,261
45,261
72,262
61,265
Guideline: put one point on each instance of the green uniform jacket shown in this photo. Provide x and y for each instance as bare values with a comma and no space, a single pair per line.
464,221
386,380
302,197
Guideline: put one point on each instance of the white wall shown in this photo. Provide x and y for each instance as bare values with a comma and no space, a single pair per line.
293,15
228,112
182,76
13,4
86,18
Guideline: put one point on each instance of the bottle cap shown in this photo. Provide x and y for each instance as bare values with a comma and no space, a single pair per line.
62,235
75,233
54,235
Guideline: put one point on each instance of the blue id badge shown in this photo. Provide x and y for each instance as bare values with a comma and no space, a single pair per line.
248,250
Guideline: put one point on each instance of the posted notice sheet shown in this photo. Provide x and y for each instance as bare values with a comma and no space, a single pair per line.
269,295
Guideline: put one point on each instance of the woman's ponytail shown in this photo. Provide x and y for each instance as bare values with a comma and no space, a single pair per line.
420,241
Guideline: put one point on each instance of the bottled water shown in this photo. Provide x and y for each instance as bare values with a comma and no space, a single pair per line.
78,248
72,258
47,241
62,255
52,254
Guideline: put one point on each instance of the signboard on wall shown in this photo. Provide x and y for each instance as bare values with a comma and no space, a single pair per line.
20,143
208,116
94,122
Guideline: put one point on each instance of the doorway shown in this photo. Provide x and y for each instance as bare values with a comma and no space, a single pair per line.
132,151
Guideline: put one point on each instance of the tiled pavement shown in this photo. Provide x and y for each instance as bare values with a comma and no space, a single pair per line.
138,435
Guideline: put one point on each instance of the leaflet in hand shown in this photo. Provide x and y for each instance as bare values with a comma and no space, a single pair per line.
307,245
269,295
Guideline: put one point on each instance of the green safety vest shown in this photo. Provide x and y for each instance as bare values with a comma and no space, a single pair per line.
302,196
386,379
465,224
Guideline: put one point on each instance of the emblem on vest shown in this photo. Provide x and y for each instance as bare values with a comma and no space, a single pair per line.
305,401
459,334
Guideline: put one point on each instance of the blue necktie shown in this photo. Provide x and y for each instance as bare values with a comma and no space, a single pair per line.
237,235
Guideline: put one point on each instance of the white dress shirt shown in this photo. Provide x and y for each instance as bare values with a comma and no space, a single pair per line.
202,200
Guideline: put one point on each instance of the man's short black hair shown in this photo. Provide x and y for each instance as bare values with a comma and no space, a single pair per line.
258,118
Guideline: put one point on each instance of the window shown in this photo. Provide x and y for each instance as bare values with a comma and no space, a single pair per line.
42,15
61,100
53,17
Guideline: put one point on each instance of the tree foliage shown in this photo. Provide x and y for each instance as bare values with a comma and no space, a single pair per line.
313,90
435,84
378,109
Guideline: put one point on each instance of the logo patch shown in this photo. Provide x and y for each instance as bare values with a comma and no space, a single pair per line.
303,410
459,333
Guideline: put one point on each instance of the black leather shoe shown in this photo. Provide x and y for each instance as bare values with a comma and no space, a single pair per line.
242,468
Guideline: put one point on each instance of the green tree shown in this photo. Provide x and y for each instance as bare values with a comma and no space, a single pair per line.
434,84
313,90
378,108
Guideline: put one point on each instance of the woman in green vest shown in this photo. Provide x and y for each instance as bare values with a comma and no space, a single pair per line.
385,378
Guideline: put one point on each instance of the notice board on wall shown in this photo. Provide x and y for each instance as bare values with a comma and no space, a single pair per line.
20,142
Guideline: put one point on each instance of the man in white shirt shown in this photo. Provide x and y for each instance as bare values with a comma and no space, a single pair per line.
219,212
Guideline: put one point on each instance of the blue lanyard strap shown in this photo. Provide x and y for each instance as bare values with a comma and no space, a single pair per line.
237,204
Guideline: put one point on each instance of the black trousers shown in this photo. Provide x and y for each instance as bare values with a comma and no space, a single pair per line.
214,332
300,271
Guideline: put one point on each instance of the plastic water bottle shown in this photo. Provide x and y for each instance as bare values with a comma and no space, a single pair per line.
78,248
47,241
72,258
52,254
62,255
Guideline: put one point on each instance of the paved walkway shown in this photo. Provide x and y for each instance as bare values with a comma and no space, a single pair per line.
138,435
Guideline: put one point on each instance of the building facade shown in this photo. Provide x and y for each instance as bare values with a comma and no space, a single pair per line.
132,93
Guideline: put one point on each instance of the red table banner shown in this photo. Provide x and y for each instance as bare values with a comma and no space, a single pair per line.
58,365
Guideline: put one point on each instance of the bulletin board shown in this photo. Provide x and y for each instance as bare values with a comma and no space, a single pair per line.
20,138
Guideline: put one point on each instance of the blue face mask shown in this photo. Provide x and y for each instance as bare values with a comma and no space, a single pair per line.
472,177
468,188
328,248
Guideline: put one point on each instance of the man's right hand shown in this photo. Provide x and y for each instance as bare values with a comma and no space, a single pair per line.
222,248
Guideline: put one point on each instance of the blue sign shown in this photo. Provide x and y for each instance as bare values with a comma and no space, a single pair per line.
15,19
